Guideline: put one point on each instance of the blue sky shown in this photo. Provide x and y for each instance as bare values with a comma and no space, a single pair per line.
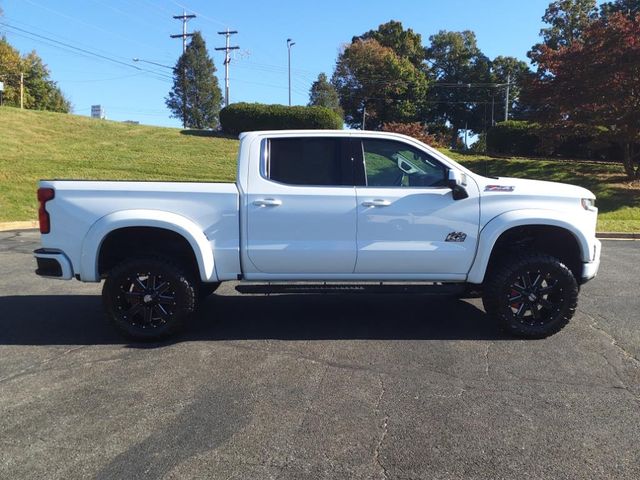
125,29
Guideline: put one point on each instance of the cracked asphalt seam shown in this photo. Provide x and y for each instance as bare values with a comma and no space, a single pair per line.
486,360
597,327
27,370
385,425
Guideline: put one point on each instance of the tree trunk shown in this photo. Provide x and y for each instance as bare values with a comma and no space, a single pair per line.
454,137
628,162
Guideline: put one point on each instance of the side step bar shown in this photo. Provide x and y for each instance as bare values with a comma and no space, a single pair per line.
335,288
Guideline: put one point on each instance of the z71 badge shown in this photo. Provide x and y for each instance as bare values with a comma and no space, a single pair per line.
456,237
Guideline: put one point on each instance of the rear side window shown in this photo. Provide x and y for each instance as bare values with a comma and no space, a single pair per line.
308,161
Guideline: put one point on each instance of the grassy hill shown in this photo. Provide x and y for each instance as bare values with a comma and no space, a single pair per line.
35,145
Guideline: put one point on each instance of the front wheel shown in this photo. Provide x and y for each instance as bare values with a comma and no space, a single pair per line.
148,298
532,295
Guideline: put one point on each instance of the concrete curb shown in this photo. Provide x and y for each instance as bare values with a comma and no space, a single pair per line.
618,236
33,225
8,226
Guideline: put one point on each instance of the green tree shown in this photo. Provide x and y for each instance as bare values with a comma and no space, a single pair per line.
631,8
322,94
40,92
515,71
10,64
371,78
405,43
195,97
458,66
567,20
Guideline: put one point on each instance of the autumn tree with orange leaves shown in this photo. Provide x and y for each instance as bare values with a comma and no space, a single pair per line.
592,85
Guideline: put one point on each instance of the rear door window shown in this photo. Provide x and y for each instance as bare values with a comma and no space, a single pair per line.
310,161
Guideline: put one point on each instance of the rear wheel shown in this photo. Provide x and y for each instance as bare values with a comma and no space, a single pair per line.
148,298
532,295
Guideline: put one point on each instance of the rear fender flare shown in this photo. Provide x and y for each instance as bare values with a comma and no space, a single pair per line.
191,232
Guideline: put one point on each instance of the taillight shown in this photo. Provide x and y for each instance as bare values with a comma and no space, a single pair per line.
44,195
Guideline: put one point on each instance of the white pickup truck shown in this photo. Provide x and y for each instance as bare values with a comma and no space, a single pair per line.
321,212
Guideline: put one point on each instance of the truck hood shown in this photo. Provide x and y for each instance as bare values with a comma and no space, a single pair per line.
519,187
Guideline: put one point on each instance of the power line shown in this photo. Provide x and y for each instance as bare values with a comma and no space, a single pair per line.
92,26
84,52
53,35
213,20
227,60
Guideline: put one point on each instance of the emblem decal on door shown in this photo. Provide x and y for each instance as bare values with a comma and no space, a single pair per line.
456,237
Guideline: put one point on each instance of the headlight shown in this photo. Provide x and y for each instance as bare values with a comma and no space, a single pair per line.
588,203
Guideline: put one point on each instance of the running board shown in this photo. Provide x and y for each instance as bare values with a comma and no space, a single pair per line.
335,288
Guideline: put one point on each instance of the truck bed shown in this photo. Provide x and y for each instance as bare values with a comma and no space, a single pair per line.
83,206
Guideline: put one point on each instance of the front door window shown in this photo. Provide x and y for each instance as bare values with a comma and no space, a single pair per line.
395,164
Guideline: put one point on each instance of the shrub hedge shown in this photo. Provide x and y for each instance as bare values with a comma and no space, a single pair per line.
417,131
515,138
530,139
246,117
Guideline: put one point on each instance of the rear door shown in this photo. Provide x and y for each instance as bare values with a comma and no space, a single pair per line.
408,222
301,209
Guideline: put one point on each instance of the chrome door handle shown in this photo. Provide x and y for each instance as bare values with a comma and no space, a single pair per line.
268,202
378,202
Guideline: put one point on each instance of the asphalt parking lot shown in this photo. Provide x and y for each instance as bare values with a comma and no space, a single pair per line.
328,387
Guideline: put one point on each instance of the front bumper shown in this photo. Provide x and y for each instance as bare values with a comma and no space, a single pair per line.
53,264
590,269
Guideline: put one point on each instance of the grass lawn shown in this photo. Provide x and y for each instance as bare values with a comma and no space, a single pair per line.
35,145
618,200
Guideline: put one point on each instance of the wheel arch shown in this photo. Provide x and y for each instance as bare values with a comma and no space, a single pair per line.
115,222
573,249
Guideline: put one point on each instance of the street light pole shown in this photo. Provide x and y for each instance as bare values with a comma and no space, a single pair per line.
290,44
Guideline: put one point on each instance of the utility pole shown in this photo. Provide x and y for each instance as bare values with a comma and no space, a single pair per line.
364,115
466,131
185,18
506,98
290,44
227,60
493,108
21,90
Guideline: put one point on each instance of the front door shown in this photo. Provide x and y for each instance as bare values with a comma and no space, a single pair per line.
408,222
301,211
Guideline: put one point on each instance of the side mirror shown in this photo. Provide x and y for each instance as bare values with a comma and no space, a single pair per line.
457,181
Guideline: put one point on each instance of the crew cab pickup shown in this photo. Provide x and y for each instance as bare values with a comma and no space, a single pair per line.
320,212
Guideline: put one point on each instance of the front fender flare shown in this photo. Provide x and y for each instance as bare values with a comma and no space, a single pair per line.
191,232
518,218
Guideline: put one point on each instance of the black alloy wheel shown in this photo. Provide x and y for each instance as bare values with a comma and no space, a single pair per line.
533,295
148,298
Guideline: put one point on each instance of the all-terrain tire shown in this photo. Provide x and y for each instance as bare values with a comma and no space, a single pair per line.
533,295
148,298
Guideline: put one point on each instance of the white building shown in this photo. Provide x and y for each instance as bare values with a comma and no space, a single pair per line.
97,111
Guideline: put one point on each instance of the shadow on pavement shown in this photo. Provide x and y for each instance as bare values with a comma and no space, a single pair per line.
79,319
